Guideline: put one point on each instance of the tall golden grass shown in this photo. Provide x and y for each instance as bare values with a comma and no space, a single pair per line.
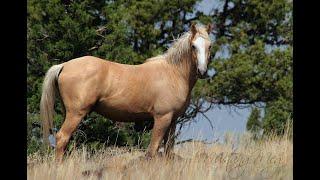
237,158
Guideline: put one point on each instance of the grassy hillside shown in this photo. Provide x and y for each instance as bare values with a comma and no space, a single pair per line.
238,157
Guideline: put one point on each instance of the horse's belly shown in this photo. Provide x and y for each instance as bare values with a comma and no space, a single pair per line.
121,114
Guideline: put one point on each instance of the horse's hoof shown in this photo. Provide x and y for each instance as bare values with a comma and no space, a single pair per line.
97,173
173,156
58,160
86,173
147,157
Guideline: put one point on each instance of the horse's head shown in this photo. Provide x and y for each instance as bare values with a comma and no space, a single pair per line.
201,44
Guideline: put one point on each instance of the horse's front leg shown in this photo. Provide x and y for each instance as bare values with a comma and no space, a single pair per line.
160,127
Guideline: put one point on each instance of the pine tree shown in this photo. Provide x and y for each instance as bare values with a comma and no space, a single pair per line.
254,122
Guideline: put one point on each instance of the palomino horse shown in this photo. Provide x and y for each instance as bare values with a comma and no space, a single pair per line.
160,89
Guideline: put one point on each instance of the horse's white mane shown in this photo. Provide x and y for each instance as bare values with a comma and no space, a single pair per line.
180,46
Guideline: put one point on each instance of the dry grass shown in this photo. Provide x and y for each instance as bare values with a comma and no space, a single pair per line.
244,159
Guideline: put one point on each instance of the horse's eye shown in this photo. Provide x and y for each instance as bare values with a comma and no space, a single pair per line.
209,47
193,47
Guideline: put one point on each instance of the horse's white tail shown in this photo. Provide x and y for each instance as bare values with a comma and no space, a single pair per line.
49,90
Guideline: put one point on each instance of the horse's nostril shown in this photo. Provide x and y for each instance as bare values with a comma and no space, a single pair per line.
200,72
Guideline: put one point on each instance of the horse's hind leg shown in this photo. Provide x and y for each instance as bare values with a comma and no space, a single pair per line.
68,127
169,139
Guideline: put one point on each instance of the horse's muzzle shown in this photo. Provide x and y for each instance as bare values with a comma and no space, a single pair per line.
202,75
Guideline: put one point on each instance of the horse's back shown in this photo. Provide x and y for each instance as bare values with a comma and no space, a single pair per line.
84,63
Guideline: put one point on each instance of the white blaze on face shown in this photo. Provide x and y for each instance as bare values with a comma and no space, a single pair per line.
199,43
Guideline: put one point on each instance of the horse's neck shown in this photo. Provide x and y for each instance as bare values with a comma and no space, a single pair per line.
187,70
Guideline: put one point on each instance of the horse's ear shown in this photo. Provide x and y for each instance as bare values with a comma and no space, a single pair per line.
193,29
209,28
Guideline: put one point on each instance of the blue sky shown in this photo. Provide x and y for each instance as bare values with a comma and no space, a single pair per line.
223,118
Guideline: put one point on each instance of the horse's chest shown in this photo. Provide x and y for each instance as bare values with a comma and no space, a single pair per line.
176,103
